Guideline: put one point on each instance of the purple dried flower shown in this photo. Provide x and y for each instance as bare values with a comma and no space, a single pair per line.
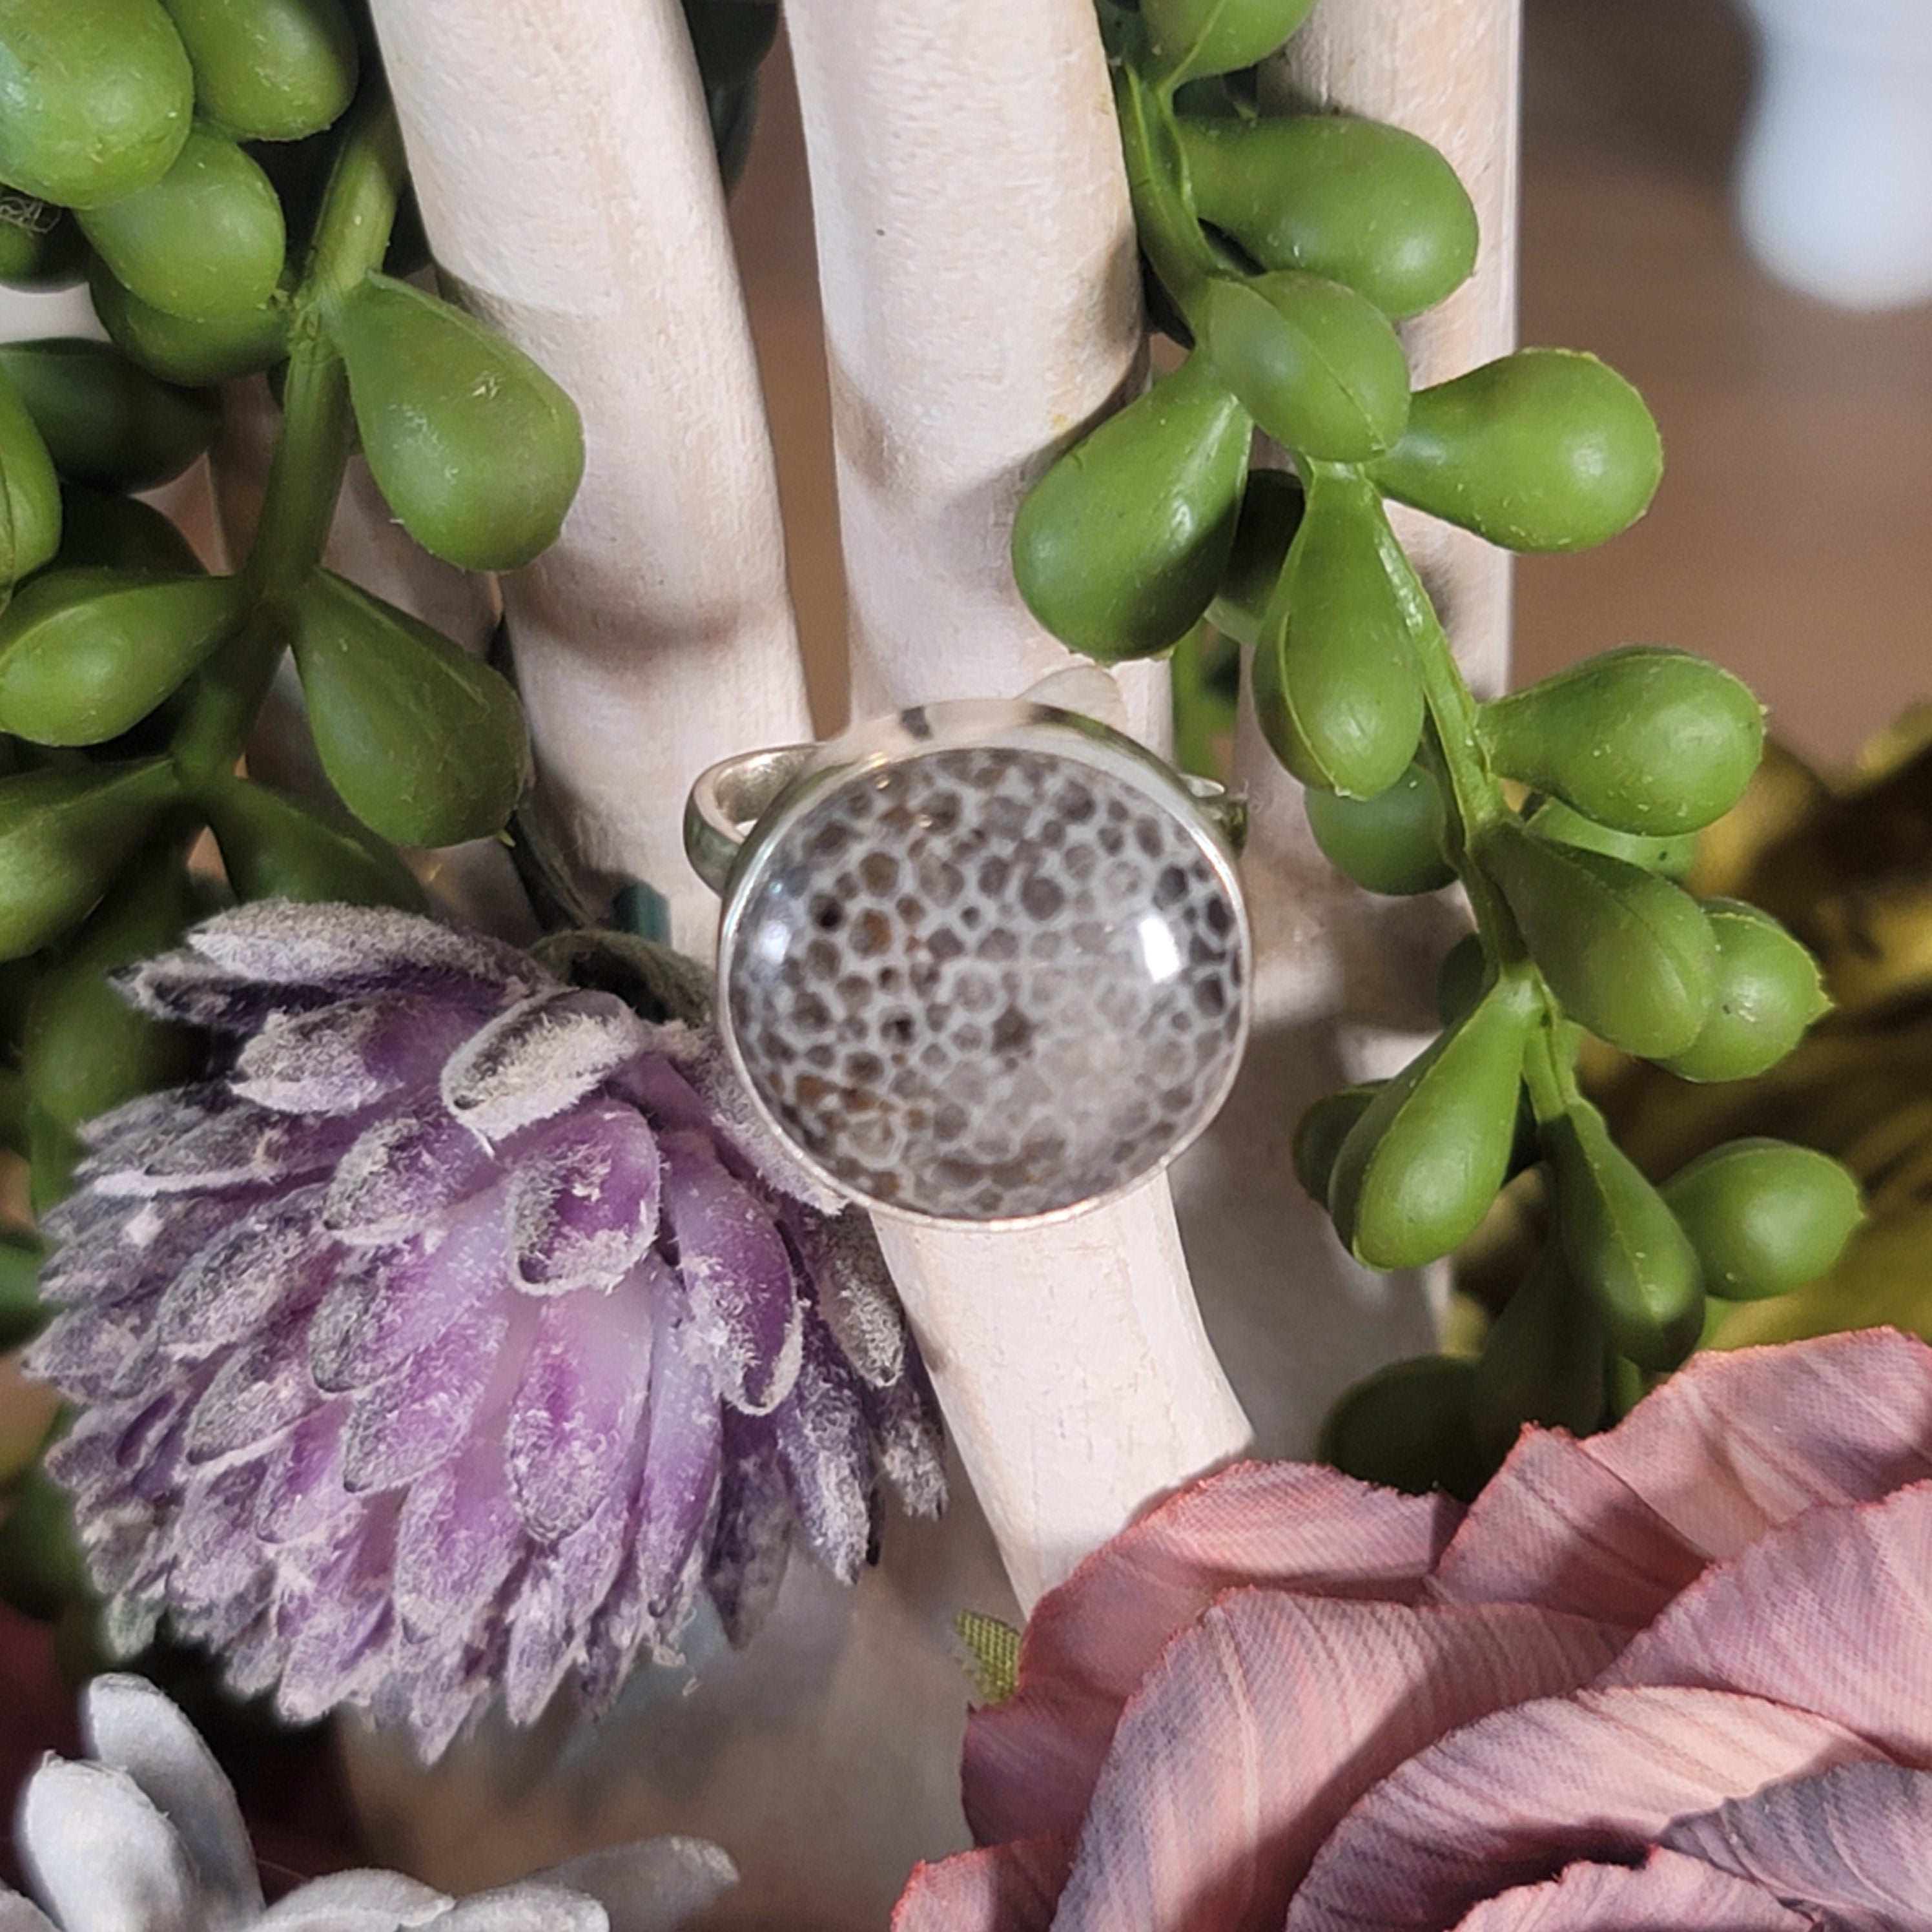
458,1334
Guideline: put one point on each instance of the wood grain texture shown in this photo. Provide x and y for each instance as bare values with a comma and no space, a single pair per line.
564,167
981,309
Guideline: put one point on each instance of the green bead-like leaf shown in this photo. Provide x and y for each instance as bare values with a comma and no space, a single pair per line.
30,515
1315,365
22,1314
204,242
1120,546
1622,1245
1544,450
1418,1170
1367,205
85,1049
1768,992
269,70
1643,740
1188,38
1335,688
425,745
1407,1427
1765,1217
41,247
275,847
235,342
1630,955
95,98
86,654
1320,1132
105,420
1544,1360
475,449
1392,842
64,834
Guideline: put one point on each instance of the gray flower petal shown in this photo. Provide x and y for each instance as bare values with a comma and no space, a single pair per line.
355,1901
101,1856
653,1886
131,1726
22,1915
528,1907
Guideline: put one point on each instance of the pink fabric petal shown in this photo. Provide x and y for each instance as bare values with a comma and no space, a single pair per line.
1832,1613
1554,1527
1009,1887
1731,1445
1667,1890
1513,1799
1030,1762
577,1406
1857,1841
1264,1720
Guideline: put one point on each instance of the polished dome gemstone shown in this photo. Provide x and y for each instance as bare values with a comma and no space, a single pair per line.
989,982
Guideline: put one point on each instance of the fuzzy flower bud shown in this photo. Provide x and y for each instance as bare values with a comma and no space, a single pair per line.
457,1334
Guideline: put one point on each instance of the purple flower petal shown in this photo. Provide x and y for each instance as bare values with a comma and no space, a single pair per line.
343,1627
753,1538
678,1487
458,1538
97,1353
257,1269
543,1055
261,1389
908,1439
820,1432
112,1249
346,948
241,1146
342,1057
582,1202
401,1428
185,987
576,1409
737,1272
392,1302
302,1487
213,1558
854,1292
403,1175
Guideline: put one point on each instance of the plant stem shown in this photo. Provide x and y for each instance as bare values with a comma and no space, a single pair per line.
1157,177
312,450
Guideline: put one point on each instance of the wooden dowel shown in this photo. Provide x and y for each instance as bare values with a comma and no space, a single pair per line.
977,256
563,164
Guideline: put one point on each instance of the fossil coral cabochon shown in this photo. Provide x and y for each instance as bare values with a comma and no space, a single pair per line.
984,963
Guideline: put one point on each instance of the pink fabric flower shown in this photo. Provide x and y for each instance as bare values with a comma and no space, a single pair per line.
1677,1675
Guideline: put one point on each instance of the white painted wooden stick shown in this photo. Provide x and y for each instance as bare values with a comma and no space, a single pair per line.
976,258
564,167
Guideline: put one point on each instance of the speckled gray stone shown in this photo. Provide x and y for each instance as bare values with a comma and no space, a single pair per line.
989,982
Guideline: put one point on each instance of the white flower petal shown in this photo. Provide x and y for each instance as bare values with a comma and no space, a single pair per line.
652,1885
355,1901
22,1914
100,1855
528,1907
129,1726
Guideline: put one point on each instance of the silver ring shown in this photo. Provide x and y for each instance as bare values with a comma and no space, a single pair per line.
983,963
